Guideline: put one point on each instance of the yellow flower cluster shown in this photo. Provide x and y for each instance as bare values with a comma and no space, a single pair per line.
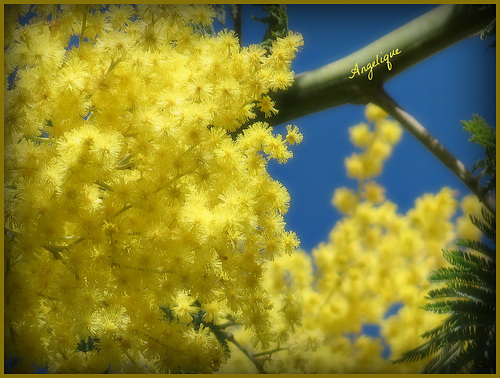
370,274
377,144
134,221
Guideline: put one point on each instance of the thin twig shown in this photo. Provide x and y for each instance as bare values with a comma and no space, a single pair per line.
230,323
237,23
84,24
123,209
383,100
55,249
230,337
270,351
104,186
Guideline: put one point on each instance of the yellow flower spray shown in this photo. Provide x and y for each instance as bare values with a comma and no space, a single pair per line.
130,210
371,272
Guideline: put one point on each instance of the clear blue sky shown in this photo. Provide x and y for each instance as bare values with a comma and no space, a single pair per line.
439,92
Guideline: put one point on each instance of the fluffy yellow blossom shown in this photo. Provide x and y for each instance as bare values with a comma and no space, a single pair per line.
374,113
345,200
266,106
136,222
470,206
374,192
360,135
376,143
293,135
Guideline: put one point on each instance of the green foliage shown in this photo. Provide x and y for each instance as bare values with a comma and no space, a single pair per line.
277,22
483,135
87,345
220,12
465,341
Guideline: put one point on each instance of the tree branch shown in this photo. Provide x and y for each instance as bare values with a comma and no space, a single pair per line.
382,99
330,86
335,84
230,337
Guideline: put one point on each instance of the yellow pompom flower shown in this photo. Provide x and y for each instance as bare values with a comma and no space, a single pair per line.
266,105
354,166
293,135
470,206
360,135
390,131
374,113
202,14
374,192
345,200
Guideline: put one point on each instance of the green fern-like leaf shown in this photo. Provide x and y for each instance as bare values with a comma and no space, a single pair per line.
488,231
461,291
483,135
438,363
484,274
465,340
277,21
468,308
490,223
442,307
484,263
453,274
467,356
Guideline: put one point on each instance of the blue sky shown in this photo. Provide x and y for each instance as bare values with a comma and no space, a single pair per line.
439,92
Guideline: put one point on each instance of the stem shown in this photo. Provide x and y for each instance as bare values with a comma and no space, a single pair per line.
122,210
104,186
230,323
131,359
36,139
230,337
382,99
270,351
113,64
330,86
237,23
84,24
55,249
